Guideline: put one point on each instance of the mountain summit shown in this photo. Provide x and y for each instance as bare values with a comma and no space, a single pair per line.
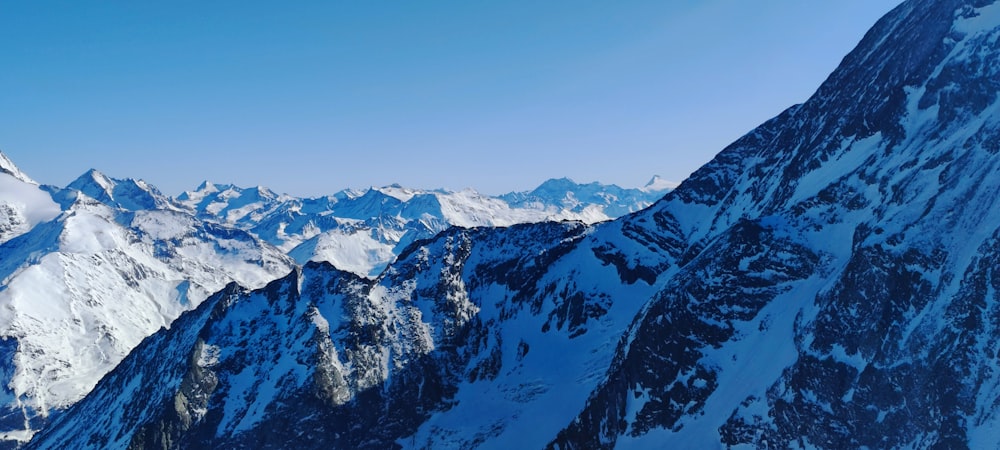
829,280
659,184
8,167
128,194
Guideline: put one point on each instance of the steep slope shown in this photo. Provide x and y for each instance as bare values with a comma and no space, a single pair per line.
888,176
461,327
90,270
827,281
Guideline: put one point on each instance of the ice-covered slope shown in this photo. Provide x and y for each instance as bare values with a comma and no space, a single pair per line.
363,230
829,280
81,287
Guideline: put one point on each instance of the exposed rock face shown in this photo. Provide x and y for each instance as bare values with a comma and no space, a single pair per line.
887,336
325,358
660,372
829,280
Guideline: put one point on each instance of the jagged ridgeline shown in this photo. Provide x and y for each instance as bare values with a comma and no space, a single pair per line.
829,280
90,270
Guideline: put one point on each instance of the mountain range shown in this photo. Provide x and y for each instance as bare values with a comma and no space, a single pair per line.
90,270
362,230
829,280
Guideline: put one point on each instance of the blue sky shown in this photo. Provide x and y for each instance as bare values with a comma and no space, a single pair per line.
309,97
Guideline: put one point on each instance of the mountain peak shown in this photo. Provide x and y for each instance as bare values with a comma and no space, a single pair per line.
7,166
658,184
205,185
93,183
398,191
204,189
263,192
100,178
129,194
558,182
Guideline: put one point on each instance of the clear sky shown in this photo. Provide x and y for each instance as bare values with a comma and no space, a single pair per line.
310,97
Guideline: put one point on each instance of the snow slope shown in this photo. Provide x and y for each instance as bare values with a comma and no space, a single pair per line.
81,287
827,281
90,270
325,350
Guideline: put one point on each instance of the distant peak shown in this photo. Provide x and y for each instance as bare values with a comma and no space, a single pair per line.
7,166
93,177
205,185
95,174
263,191
204,189
399,192
557,182
658,183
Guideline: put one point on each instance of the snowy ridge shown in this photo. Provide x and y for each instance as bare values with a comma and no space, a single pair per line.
128,194
87,280
8,167
892,201
827,281
591,199
362,230
658,184
353,350
90,270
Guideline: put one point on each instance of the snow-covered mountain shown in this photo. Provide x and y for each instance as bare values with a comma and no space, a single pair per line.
128,194
90,270
363,230
827,281
594,202
9,168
